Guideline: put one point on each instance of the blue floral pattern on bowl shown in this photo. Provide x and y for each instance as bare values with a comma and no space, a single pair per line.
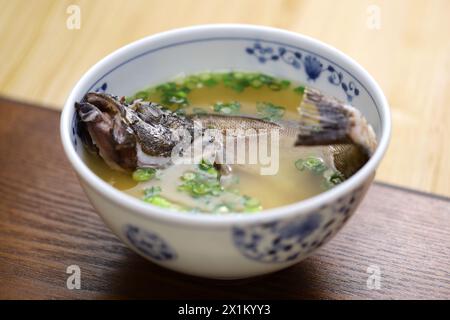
102,88
276,241
291,240
149,244
312,65
74,132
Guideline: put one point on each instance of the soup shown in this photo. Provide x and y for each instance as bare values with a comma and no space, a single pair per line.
300,173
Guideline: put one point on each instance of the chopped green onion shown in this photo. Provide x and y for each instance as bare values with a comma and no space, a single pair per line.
269,111
266,78
318,167
333,178
253,209
159,201
252,204
213,172
143,174
208,80
227,108
285,84
313,164
236,81
200,189
203,182
172,93
205,165
152,196
191,82
256,83
299,89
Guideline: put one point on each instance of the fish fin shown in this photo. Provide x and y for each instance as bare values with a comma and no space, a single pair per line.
327,121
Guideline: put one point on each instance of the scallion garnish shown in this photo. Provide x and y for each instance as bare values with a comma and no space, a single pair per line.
318,167
227,108
143,174
313,164
269,111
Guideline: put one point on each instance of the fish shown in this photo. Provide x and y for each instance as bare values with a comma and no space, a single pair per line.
144,134
128,136
326,120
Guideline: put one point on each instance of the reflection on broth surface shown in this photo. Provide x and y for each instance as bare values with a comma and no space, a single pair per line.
302,171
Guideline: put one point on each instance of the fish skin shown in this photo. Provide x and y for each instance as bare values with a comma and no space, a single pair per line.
115,130
105,134
232,122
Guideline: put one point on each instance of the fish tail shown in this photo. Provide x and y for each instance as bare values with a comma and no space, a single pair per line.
327,121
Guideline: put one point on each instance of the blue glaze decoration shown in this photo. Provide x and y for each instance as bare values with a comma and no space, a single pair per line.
149,243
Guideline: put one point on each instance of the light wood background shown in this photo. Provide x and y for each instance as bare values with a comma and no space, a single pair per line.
409,56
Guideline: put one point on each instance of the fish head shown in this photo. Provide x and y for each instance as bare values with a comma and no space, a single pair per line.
127,136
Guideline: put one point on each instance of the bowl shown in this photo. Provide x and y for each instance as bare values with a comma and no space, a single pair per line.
228,246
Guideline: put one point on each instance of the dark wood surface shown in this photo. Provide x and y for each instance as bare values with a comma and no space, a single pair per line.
47,224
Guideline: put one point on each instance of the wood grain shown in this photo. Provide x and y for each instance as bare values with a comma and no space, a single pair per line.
47,224
409,56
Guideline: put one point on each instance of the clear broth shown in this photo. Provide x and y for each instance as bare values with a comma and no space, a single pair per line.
288,186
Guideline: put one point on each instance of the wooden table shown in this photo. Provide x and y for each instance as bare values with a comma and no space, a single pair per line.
47,224
406,50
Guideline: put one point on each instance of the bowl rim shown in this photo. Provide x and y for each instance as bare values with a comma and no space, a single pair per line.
138,207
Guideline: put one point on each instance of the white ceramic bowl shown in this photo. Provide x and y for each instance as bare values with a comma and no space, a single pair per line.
235,245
